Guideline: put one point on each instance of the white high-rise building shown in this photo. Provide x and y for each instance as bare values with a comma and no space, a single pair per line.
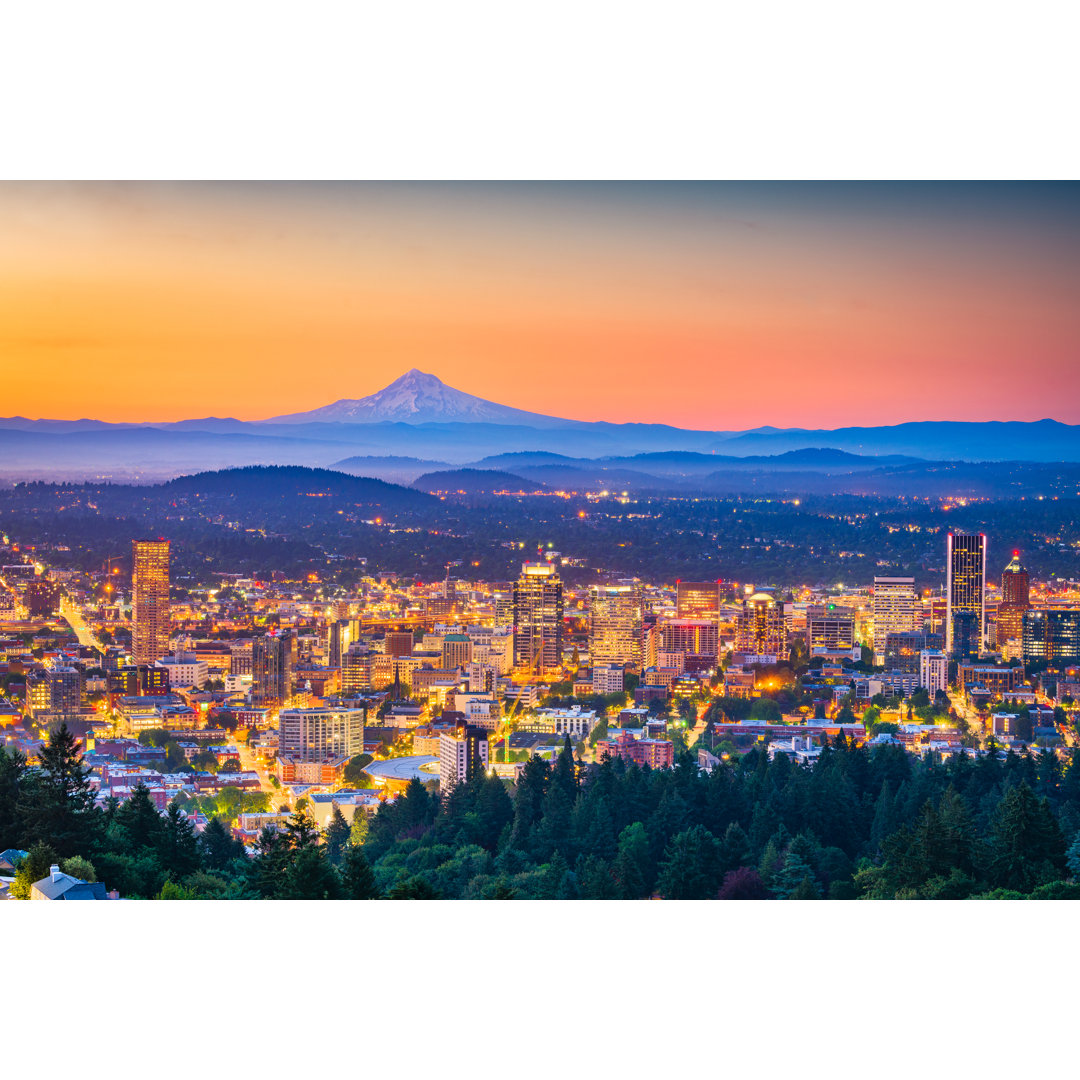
461,755
320,734
933,671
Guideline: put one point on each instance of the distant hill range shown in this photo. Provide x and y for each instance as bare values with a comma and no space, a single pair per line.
476,482
272,483
419,425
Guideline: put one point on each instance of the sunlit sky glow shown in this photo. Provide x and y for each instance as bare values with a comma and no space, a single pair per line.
721,306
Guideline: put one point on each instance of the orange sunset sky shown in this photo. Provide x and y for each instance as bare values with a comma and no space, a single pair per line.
720,306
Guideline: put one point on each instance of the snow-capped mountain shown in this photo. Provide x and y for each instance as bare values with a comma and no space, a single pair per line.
419,398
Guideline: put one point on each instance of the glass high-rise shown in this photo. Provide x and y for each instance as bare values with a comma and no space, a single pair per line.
895,610
1015,600
150,600
965,587
538,617
272,663
615,613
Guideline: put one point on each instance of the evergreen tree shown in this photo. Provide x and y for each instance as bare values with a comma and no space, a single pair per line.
270,864
218,847
179,847
691,867
633,870
336,835
807,890
1025,845
358,879
309,876
734,848
59,801
140,821
12,774
301,832
414,888
595,880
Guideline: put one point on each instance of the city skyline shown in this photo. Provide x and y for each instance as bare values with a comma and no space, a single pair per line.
264,299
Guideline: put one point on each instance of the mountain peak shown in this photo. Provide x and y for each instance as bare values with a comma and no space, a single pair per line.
418,397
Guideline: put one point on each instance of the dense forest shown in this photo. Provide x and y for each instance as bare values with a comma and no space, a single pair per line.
292,520
860,823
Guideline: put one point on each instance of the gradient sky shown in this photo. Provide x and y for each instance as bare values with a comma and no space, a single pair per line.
720,306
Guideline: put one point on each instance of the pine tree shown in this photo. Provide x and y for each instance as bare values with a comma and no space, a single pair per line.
807,890
59,805
12,774
358,879
179,846
140,821
691,867
268,868
1025,845
301,832
218,847
595,881
336,835
735,848
309,876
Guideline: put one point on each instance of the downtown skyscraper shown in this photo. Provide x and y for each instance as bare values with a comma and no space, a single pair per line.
615,613
1015,600
150,600
965,591
272,663
538,617
895,610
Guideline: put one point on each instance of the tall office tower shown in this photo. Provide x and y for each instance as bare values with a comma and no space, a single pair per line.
965,635
462,756
538,617
1015,600
696,640
398,643
894,610
65,690
965,588
760,627
615,614
150,600
650,640
1052,635
320,734
830,627
38,693
356,670
697,599
272,659
340,638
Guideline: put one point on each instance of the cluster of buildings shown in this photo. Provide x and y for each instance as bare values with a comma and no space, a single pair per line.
462,670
